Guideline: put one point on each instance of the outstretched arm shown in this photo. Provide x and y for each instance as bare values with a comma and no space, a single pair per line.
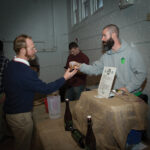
95,69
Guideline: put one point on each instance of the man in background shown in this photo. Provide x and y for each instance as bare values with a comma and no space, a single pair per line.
20,84
76,84
3,64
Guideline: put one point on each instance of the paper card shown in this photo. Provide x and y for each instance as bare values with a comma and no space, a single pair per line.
106,82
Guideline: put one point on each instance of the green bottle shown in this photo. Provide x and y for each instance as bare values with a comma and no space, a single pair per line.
78,137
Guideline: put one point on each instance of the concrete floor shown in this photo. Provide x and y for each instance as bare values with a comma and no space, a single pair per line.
49,133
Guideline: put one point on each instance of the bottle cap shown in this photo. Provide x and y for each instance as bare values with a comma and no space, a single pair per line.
89,117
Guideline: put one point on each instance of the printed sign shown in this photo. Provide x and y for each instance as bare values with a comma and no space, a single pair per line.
106,82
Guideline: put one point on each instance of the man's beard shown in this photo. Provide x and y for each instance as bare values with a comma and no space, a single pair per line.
108,44
29,57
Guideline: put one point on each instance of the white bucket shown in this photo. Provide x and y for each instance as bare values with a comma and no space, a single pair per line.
54,107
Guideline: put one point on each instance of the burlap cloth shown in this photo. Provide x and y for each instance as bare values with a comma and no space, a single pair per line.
112,118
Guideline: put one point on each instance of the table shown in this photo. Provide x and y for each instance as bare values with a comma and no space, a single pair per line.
112,118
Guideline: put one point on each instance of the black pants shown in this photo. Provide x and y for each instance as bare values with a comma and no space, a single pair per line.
144,97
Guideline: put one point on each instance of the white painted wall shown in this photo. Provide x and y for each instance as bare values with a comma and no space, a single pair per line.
46,22
133,28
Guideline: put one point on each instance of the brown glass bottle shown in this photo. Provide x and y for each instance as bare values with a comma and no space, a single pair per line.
68,117
90,141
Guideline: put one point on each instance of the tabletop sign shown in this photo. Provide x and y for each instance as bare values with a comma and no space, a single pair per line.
106,82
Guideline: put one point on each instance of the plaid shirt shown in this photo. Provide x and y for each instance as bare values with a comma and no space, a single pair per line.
3,64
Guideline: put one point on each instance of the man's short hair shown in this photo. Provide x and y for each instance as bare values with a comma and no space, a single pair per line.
73,45
20,42
112,29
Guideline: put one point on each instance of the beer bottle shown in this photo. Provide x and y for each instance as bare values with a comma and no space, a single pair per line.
90,141
68,117
78,137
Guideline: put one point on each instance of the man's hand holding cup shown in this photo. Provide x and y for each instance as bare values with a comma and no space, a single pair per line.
74,65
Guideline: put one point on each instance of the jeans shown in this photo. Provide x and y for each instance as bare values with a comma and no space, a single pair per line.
73,93
134,137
